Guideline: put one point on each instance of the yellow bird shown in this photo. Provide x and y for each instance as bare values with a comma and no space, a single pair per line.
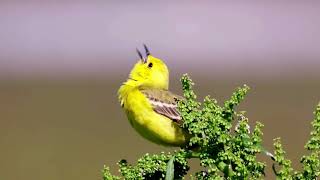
152,109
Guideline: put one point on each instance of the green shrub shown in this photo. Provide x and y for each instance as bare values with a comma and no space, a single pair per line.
224,151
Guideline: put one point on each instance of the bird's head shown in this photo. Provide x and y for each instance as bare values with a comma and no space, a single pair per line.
150,72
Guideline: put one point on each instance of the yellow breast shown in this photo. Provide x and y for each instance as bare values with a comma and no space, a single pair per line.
151,125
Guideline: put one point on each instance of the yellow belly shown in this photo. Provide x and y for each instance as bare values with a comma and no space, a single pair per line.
151,125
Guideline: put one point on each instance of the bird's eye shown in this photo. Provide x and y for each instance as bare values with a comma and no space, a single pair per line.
150,65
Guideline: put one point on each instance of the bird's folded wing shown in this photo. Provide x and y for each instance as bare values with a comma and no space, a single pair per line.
164,103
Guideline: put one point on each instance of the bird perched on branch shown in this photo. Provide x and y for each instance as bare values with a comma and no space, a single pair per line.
152,109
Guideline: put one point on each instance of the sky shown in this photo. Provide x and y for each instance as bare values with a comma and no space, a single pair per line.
52,129
89,38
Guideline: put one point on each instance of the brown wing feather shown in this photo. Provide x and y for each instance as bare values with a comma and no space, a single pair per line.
164,103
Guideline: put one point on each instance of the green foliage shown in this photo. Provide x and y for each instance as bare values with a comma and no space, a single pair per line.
107,175
310,163
223,154
170,169
224,151
153,166
285,164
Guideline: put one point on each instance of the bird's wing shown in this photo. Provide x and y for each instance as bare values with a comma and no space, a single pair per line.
164,103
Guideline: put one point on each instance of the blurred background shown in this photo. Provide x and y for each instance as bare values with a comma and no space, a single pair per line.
61,63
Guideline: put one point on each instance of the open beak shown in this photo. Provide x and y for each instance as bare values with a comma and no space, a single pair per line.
143,59
146,49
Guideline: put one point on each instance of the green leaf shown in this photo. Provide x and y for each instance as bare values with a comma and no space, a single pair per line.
170,169
224,151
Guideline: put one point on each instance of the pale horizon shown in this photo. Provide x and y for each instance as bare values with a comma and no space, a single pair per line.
64,38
